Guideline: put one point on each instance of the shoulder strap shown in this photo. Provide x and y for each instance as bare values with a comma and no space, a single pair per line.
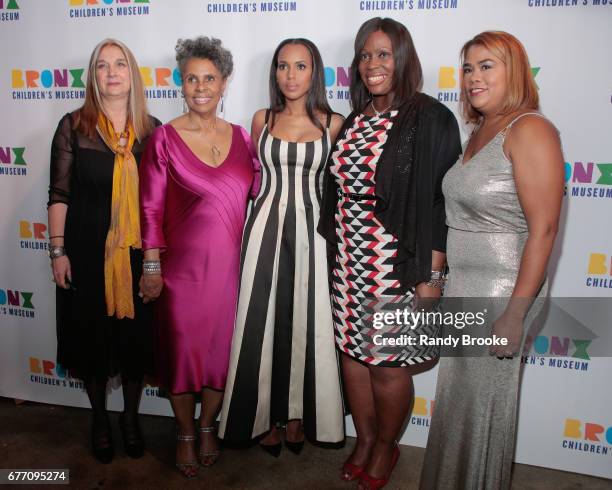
521,115
504,131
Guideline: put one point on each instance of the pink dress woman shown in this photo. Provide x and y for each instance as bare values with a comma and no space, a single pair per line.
195,213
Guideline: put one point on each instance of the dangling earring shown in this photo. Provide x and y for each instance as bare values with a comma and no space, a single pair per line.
222,111
184,103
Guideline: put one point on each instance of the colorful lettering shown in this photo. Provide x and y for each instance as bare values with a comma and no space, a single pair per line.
581,175
341,76
12,297
161,75
559,348
572,429
17,79
145,73
48,367
581,349
5,155
420,406
18,153
606,174
60,77
597,264
11,5
27,300
534,72
77,75
35,365
446,77
39,231
31,77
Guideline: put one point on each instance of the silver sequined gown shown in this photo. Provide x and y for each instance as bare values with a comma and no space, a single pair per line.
472,433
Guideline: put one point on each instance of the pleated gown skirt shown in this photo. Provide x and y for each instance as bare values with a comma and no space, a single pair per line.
283,363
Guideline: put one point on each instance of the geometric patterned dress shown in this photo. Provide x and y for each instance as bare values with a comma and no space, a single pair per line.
363,274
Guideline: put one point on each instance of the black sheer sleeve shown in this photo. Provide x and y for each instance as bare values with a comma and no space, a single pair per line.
62,158
448,145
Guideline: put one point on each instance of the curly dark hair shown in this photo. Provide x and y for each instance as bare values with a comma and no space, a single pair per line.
203,47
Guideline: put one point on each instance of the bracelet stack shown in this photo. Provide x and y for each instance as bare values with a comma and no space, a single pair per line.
151,267
437,280
56,251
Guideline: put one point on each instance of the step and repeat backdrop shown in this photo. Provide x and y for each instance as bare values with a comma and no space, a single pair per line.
565,420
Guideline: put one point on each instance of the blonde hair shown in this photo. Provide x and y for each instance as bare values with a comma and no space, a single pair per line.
86,117
522,89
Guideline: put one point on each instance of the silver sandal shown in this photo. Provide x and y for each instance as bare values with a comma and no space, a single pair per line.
184,467
213,455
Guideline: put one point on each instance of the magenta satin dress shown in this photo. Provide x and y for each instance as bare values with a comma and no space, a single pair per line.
195,214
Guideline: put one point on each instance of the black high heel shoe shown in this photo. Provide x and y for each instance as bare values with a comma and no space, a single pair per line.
295,447
133,442
102,442
272,450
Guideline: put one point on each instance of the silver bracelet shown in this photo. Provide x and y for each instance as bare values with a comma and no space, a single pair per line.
151,267
56,251
437,280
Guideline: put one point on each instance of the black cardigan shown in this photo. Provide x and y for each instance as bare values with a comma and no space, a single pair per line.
421,146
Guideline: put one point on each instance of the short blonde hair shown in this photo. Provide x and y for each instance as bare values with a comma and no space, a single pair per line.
87,116
522,89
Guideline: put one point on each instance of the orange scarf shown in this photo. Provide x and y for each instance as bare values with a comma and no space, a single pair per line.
124,230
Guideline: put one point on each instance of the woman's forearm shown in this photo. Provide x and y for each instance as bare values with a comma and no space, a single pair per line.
57,222
438,260
532,270
151,254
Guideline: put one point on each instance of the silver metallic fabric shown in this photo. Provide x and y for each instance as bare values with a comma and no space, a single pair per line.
472,433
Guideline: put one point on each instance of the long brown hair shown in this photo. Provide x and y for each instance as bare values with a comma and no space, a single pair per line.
522,89
316,100
86,118
408,74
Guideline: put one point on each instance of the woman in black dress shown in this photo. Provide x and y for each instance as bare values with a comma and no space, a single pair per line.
94,229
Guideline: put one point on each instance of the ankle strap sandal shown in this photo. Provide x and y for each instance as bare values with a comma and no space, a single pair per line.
208,458
188,469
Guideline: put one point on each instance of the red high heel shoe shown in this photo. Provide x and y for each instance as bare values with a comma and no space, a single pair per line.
368,482
351,471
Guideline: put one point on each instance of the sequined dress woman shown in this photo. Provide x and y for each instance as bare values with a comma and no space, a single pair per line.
486,236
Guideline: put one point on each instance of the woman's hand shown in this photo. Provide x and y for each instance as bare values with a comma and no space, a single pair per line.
62,275
150,287
508,326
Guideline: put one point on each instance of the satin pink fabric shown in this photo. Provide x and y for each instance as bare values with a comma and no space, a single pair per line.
195,214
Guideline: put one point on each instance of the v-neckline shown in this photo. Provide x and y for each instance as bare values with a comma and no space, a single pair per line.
464,163
501,131
184,143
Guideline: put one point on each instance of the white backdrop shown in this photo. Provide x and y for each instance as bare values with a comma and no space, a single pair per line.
565,420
